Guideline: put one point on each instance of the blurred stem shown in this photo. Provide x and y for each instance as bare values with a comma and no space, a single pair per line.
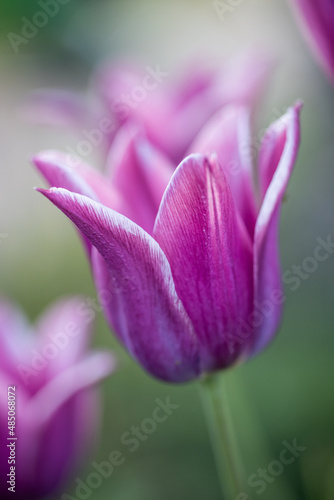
222,435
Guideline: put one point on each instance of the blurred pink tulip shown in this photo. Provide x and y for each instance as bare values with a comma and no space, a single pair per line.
170,112
316,18
53,374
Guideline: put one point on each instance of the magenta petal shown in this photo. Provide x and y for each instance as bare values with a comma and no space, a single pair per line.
317,21
210,257
65,325
228,135
267,270
140,173
142,304
273,144
58,171
54,422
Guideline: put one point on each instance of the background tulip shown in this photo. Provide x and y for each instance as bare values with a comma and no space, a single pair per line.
171,112
316,18
57,405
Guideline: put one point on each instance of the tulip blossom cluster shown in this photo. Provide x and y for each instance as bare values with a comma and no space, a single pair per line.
50,419
189,252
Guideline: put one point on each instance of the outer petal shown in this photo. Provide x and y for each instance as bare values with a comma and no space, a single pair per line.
272,147
16,339
209,254
66,326
317,22
267,270
143,305
52,423
57,170
228,135
140,173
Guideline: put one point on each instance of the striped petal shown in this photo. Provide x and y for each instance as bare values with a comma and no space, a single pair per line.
143,306
198,229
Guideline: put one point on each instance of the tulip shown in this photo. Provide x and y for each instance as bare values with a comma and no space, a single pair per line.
173,115
171,112
200,289
316,18
51,376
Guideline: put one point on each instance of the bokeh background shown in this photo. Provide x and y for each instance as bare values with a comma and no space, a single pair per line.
287,392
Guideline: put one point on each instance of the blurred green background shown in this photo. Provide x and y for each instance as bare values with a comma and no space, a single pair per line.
285,393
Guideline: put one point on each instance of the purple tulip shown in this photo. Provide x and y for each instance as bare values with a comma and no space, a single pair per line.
317,22
172,113
199,288
52,375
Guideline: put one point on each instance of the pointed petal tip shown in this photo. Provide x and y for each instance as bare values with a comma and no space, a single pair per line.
298,106
49,192
43,191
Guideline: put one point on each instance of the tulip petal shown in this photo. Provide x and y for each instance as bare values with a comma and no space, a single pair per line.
69,382
60,170
54,421
317,22
16,338
272,147
57,169
140,173
228,135
226,86
65,326
143,305
267,270
210,256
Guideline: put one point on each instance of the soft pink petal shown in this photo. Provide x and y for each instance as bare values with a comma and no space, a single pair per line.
16,339
53,423
67,328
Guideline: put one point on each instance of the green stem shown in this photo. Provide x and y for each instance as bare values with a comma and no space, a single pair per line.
222,436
